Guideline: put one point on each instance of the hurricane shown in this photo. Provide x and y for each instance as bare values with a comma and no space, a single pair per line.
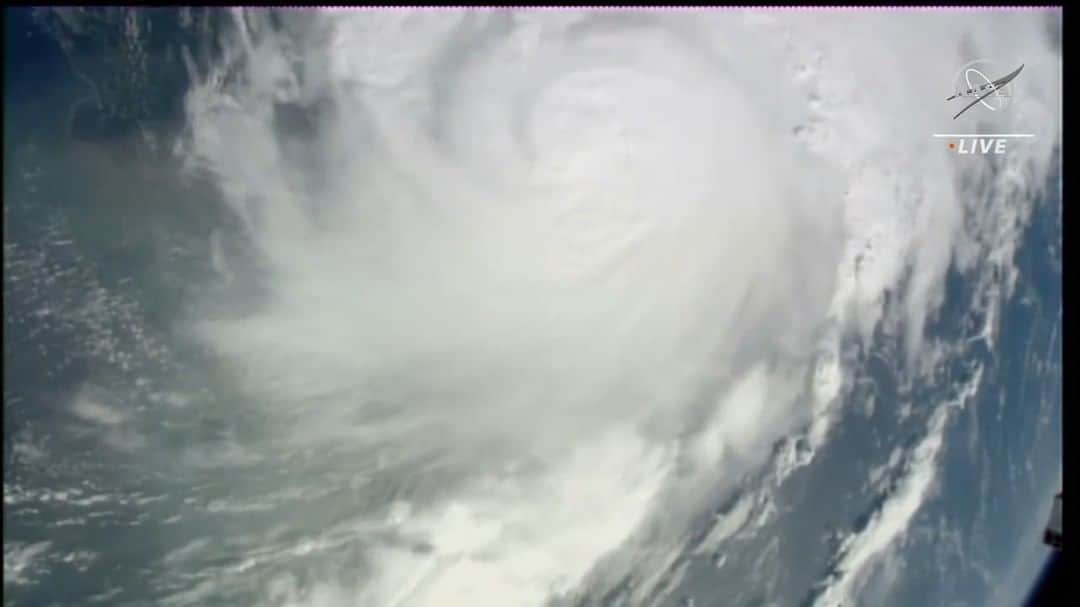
527,307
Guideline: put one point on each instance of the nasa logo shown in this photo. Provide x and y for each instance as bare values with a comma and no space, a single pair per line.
971,81
973,85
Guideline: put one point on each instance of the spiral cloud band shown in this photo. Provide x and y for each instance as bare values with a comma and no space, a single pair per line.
548,271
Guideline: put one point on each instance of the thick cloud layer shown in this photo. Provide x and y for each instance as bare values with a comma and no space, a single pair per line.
554,269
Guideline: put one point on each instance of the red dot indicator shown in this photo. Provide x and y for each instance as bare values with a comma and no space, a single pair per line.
952,146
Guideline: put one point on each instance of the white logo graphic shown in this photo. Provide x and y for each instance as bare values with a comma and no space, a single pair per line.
971,81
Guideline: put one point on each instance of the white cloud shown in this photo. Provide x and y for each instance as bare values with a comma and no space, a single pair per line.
540,237
21,560
865,548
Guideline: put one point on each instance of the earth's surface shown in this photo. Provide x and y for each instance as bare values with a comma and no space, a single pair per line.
493,308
